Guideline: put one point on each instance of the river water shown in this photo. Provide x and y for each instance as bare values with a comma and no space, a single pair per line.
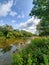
5,58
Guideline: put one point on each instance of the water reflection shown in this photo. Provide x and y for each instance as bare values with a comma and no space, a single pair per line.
1,53
5,58
8,49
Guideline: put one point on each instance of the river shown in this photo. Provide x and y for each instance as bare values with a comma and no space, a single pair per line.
5,58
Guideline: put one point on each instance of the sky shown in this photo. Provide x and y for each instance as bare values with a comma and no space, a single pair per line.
16,13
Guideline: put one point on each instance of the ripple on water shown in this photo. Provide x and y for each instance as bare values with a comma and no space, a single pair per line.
5,58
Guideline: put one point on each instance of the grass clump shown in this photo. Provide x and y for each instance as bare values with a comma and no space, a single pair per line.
36,53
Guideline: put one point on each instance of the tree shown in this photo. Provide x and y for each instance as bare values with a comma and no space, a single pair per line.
43,28
6,29
41,11
10,35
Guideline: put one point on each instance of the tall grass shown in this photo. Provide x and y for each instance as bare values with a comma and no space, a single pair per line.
36,53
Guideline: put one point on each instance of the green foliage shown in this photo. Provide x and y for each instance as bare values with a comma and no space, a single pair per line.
6,48
17,33
29,61
5,29
10,35
36,53
17,60
41,11
1,33
43,28
26,34
45,59
8,32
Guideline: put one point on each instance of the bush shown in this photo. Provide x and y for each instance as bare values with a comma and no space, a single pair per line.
37,52
17,59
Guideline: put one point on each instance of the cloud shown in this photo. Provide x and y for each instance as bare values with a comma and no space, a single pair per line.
12,13
29,25
5,8
1,22
13,21
21,16
31,29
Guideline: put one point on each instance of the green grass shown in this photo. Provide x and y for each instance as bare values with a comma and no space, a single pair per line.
6,42
36,53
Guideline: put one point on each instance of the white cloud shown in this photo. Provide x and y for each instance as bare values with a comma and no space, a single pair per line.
13,21
6,8
1,22
21,16
31,29
29,25
12,13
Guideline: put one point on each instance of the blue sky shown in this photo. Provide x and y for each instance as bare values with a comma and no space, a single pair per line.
16,13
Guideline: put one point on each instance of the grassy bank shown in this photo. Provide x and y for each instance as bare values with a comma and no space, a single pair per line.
36,53
6,42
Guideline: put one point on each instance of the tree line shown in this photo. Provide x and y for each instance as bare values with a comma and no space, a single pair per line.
8,32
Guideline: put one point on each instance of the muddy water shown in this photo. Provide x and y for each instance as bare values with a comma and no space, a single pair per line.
5,58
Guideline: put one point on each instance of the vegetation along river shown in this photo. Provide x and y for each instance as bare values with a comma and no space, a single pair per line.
5,55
